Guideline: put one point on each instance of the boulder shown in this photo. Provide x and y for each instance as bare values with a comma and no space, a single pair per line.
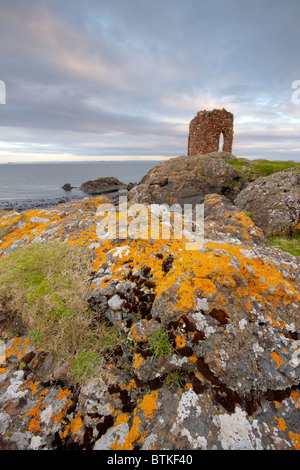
67,187
187,180
234,370
102,185
230,313
273,201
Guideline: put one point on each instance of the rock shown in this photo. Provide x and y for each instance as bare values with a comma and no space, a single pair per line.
273,201
102,185
67,187
116,303
187,180
231,313
131,185
39,220
224,221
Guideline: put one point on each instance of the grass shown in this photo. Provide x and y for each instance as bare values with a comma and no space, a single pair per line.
174,379
289,244
47,285
160,345
263,167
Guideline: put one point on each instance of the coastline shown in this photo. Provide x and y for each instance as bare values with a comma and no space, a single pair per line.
22,205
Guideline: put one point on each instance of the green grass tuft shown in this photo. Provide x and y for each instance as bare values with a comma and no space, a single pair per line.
289,244
47,285
160,345
174,379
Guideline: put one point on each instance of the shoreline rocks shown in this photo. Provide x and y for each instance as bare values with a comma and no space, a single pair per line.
102,185
67,187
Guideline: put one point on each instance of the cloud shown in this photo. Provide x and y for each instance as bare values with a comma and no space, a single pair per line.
126,77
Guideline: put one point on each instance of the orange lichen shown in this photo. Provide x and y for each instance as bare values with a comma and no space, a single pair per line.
295,396
15,347
295,438
149,404
133,435
61,394
34,426
62,413
281,424
138,360
33,386
80,214
58,417
193,358
76,424
276,358
180,341
130,386
24,348
122,418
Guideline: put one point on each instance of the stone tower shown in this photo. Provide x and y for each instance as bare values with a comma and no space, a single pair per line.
206,129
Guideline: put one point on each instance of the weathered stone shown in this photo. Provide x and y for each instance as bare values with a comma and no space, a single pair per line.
67,187
274,202
187,180
102,185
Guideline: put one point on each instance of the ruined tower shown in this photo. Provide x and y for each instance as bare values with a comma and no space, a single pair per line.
205,131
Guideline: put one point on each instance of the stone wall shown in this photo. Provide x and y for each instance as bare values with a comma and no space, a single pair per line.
205,131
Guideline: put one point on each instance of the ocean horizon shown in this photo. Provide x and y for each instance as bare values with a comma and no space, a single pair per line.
44,180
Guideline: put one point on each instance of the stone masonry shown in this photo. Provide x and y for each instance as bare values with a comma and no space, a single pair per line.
205,131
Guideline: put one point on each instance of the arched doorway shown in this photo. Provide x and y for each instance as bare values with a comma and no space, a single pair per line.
221,142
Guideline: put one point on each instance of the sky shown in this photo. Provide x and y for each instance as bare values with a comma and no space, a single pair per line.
122,79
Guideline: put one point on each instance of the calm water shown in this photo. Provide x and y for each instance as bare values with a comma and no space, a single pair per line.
44,180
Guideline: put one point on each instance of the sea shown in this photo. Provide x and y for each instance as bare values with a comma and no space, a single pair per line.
27,185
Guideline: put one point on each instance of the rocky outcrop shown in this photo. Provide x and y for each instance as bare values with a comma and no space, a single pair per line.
274,202
102,185
187,180
67,187
227,312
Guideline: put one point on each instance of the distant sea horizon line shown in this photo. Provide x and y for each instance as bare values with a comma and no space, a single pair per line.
137,160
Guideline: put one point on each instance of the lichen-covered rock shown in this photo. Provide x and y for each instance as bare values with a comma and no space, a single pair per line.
34,414
274,202
231,313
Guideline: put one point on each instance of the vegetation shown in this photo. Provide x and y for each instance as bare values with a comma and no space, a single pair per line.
289,244
4,231
47,286
160,345
262,167
174,379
